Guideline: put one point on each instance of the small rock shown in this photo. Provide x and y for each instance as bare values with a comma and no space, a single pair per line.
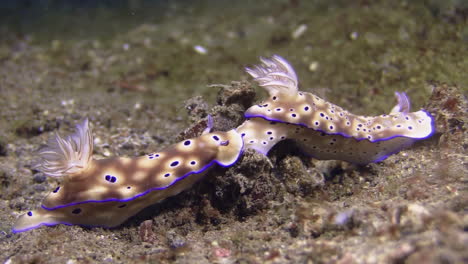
39,188
299,31
175,240
146,231
313,66
220,252
196,107
200,49
3,148
39,177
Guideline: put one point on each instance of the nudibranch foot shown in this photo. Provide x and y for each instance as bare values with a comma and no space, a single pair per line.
325,130
107,192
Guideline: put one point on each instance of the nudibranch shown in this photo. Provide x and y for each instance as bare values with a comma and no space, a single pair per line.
324,130
106,192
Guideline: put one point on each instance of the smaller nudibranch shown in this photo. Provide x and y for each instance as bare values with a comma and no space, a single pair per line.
106,192
322,129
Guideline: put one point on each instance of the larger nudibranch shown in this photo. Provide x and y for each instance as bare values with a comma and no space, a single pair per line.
106,192
322,129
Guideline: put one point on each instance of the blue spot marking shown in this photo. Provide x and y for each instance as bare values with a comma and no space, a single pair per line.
175,163
56,190
76,211
187,142
122,205
152,156
110,178
30,213
216,138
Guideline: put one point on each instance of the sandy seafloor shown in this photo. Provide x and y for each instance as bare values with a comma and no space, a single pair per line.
132,67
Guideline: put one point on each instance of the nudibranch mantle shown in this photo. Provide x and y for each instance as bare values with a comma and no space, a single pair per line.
322,129
106,192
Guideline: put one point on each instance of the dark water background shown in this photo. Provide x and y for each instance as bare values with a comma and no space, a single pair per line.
83,18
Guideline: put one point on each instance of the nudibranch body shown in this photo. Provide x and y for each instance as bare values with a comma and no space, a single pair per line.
106,192
322,129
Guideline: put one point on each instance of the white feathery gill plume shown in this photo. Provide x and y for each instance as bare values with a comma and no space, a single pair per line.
276,75
67,156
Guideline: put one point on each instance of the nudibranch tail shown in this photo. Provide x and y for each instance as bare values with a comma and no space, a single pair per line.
275,75
111,190
312,121
67,156
261,135
35,219
230,148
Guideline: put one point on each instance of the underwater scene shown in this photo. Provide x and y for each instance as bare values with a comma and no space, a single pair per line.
220,131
